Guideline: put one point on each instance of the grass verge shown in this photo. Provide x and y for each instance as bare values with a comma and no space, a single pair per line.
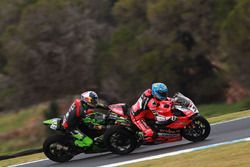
236,155
22,130
213,110
230,116
23,159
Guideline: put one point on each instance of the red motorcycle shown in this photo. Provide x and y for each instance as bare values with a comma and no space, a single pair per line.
124,137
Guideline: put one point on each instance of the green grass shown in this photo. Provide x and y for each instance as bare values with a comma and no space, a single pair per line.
23,159
10,121
230,116
213,110
233,155
20,144
22,130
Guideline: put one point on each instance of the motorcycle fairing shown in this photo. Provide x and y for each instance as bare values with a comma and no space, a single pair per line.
53,123
119,109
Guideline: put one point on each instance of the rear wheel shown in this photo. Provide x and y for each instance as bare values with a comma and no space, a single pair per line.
119,140
198,130
56,148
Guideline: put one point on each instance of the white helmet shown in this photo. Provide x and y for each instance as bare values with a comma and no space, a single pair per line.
90,98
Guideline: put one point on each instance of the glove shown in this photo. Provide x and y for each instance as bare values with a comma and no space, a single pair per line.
101,106
99,127
148,133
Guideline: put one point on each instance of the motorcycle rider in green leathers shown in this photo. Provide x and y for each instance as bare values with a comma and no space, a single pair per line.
78,111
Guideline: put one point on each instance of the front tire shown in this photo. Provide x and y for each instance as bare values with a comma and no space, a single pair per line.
197,130
119,140
55,148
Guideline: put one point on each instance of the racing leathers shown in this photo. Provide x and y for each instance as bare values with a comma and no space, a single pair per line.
144,110
77,111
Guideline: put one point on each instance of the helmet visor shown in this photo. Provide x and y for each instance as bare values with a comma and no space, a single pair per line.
93,101
162,94
90,101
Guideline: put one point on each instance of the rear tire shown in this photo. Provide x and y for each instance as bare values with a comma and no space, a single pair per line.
51,150
119,140
198,130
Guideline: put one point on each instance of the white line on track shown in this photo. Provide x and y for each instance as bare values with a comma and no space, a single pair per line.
175,153
31,162
111,164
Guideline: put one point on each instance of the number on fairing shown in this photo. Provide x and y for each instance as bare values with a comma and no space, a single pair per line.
53,126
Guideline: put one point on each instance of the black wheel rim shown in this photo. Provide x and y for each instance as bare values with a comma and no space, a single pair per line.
58,150
120,141
196,129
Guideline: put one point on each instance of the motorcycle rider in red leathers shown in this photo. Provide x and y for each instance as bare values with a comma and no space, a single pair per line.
144,109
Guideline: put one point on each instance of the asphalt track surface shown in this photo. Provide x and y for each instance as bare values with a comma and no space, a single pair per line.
219,133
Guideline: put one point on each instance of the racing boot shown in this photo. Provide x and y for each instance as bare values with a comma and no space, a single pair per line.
81,140
99,139
99,144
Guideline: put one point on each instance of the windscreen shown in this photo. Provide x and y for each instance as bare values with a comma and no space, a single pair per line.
180,99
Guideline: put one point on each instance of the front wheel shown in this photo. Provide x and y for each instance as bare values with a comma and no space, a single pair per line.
198,130
56,148
119,140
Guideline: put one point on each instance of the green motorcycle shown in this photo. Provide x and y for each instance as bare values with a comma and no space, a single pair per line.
60,146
